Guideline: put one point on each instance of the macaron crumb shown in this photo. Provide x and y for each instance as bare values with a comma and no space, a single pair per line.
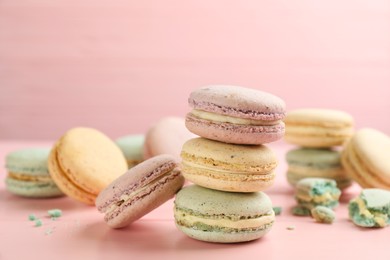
323,214
49,231
54,213
32,217
290,228
300,211
38,222
277,210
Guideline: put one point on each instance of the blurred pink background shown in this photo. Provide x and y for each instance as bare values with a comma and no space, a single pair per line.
121,65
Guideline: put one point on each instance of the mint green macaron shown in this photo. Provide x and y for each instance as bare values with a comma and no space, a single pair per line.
316,163
222,217
132,148
28,174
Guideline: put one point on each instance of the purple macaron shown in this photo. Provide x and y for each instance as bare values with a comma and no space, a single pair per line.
140,190
236,115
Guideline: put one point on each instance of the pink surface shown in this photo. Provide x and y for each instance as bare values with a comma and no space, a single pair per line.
82,234
121,65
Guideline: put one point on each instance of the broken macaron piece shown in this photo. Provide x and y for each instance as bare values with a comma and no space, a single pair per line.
371,208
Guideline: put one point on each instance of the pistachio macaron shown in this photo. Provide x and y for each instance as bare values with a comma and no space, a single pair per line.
132,148
28,174
222,217
228,167
83,162
314,162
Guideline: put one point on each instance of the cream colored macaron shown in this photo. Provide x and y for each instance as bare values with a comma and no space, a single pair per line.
366,158
83,162
227,167
318,127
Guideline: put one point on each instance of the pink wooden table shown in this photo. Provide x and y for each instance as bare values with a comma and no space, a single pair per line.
81,233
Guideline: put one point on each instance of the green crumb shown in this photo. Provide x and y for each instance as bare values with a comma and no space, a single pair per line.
55,213
323,214
277,210
38,222
300,211
53,218
32,217
290,228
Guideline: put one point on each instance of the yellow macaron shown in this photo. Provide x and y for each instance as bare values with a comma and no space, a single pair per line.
228,167
366,158
312,127
83,162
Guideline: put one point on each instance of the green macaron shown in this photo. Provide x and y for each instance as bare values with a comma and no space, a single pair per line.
132,148
316,163
28,174
222,217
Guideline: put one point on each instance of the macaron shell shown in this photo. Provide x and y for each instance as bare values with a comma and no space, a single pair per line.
234,133
318,127
238,102
90,159
31,161
213,202
221,237
65,184
166,137
319,117
31,189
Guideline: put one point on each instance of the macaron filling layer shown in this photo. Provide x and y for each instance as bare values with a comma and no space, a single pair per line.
229,119
221,166
227,175
27,177
222,222
236,112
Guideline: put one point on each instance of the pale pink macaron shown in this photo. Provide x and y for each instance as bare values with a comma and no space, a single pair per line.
167,136
238,115
140,190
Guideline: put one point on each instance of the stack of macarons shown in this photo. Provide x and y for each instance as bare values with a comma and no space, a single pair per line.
229,164
318,133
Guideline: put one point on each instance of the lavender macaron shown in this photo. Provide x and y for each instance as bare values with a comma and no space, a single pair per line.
236,115
140,190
